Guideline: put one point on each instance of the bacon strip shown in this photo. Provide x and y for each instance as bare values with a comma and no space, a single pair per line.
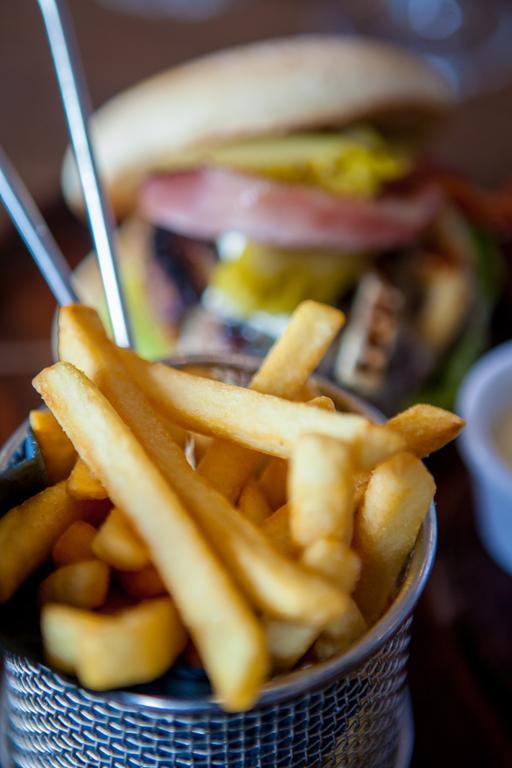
491,209
207,202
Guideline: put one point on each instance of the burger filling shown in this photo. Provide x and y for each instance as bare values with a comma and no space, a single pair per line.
252,229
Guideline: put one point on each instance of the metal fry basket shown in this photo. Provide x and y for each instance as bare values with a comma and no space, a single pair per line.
348,711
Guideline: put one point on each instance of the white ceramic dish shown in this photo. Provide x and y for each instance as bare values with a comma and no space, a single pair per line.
485,396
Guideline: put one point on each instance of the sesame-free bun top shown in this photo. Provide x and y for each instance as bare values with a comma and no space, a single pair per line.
267,88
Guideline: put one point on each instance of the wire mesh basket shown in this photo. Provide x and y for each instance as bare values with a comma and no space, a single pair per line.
346,711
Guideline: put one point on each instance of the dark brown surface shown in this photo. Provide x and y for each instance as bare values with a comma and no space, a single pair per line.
461,661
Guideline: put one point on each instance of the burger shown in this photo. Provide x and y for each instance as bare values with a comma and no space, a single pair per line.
254,178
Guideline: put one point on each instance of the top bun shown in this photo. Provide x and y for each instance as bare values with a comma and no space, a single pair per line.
267,88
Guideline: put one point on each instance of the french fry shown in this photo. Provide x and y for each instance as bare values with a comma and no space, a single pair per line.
274,478
283,373
277,530
226,632
83,585
119,545
426,428
340,634
323,402
199,370
274,583
335,560
58,452
296,354
251,526
321,490
142,584
395,504
261,422
201,445
361,481
28,533
253,503
74,544
61,628
139,644
288,642
178,434
132,646
327,470
308,392
83,485
227,467
273,481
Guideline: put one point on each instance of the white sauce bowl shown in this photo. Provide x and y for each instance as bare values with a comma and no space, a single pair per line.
485,395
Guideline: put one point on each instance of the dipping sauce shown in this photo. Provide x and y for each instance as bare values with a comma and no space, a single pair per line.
502,433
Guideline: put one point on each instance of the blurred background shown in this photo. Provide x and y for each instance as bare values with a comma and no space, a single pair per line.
461,674
123,41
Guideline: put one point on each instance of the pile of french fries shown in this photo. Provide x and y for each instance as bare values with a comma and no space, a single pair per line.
248,527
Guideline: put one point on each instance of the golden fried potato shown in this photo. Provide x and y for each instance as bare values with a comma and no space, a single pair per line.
426,428
321,490
74,544
273,481
226,632
335,560
118,544
28,533
83,485
261,422
274,583
395,504
143,584
288,642
131,646
253,503
283,373
83,584
57,451
340,634
277,530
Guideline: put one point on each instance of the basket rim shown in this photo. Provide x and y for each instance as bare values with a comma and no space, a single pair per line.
306,679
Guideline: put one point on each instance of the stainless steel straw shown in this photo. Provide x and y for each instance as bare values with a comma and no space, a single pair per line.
76,107
32,227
